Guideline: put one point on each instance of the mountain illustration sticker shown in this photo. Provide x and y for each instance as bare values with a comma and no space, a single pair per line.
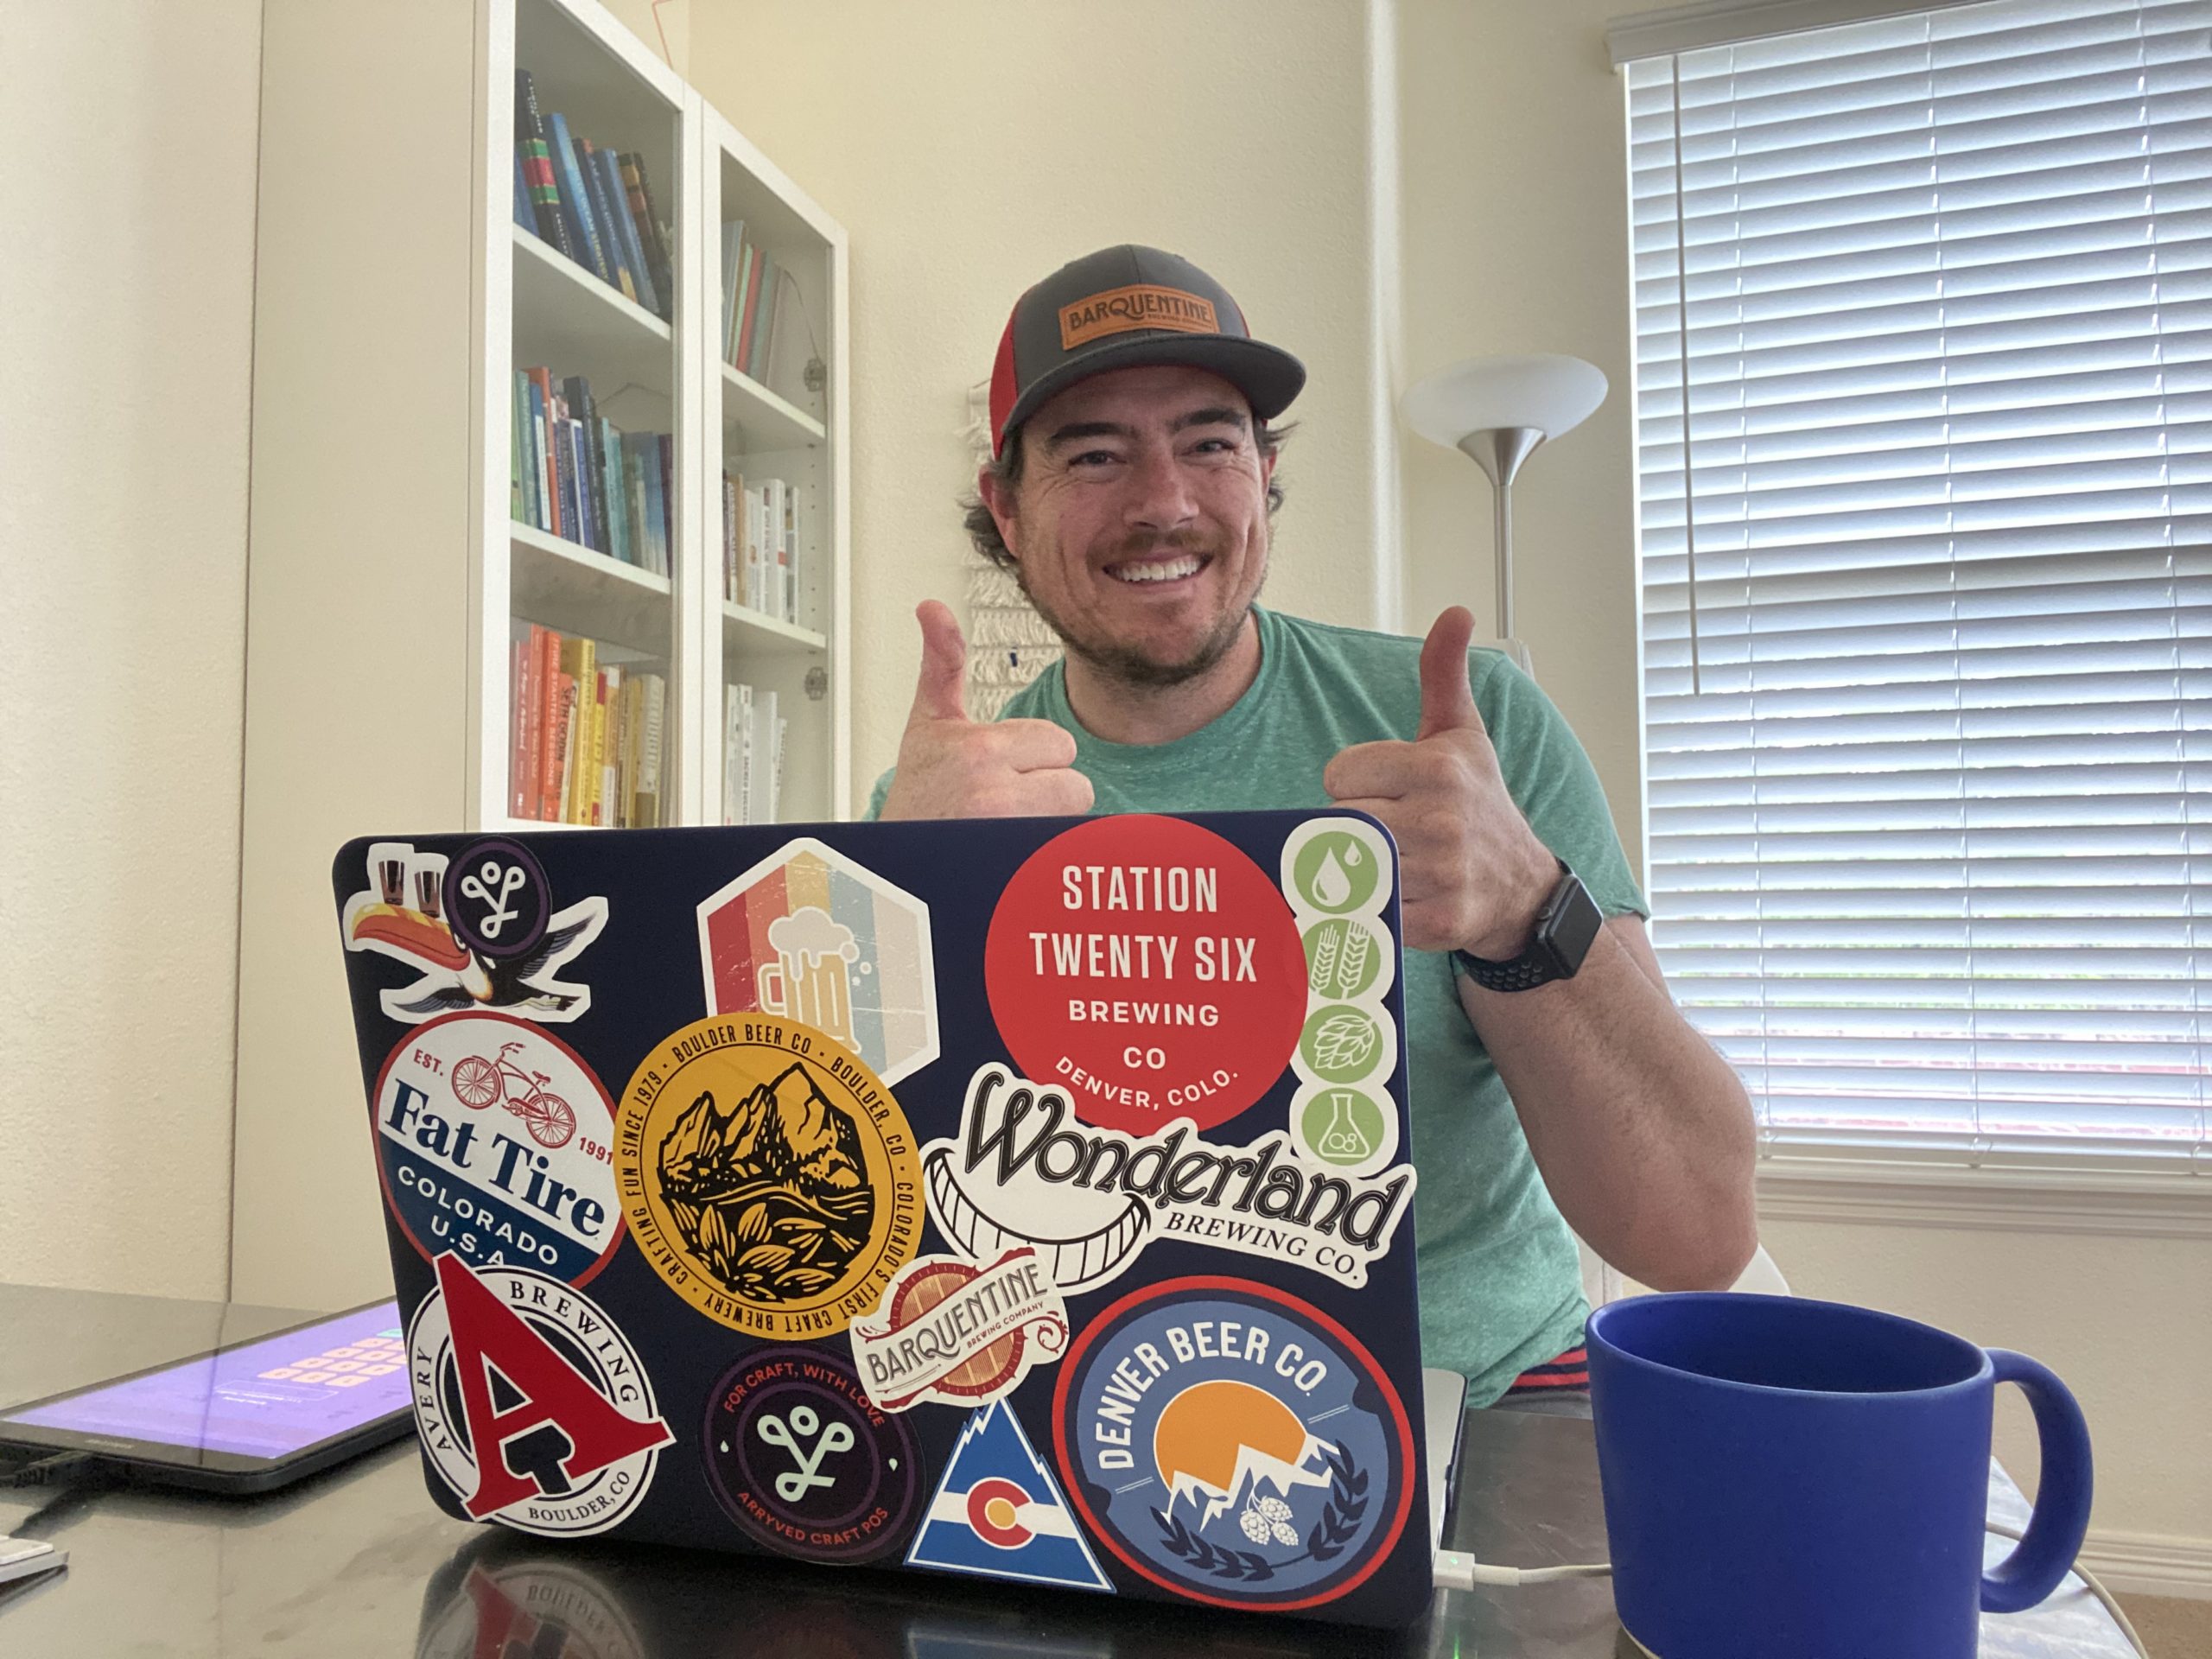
768,1175
1235,1445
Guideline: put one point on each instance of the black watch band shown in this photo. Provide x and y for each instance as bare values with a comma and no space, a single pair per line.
1565,927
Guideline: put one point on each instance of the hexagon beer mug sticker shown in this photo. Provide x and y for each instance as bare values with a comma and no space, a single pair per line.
809,935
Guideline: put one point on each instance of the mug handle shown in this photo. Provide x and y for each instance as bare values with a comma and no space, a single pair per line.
2061,1517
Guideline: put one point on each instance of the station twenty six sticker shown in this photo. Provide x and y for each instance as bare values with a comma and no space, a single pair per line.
531,1403
1234,1445
493,1141
1150,968
767,1175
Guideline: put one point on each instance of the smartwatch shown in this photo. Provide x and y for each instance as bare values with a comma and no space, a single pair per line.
1565,926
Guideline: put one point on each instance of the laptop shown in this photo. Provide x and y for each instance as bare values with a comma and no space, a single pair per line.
1028,1199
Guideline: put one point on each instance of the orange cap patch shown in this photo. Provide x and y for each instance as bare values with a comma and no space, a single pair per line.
1143,305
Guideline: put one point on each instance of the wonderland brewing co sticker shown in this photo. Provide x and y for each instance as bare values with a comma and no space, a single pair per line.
1234,1444
768,1175
531,1403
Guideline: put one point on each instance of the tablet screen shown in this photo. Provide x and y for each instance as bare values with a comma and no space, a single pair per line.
266,1399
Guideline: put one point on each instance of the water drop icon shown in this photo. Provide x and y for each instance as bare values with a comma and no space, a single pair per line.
1331,885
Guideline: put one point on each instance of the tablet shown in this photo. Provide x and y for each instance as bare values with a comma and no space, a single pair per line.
244,1418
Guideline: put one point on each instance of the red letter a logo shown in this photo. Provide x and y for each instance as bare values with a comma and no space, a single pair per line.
488,1333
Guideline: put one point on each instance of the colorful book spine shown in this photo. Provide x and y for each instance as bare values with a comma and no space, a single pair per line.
518,710
537,166
575,200
617,204
603,221
764,311
526,215
755,260
733,285
649,231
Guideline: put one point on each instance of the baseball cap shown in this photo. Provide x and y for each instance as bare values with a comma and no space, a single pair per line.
1123,307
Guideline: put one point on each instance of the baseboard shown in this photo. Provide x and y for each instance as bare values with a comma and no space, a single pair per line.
2150,1563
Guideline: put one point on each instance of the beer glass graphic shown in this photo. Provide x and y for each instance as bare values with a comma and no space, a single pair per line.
811,979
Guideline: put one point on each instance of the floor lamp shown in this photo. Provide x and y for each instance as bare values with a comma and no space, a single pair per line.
1497,409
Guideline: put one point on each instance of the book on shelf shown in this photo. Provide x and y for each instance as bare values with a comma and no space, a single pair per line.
753,309
752,756
585,734
578,476
593,204
766,529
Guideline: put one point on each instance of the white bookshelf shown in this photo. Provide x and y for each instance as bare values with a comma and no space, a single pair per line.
388,574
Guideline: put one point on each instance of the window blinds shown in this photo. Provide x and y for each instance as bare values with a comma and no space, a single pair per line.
1923,315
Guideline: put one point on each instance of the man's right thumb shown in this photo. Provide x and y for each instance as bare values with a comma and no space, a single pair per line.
942,692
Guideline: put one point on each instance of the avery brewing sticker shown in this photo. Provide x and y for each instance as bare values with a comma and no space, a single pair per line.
951,1331
493,1141
768,1176
1023,1171
1149,968
531,1403
1234,1445
479,931
998,1513
530,1607
802,1461
810,935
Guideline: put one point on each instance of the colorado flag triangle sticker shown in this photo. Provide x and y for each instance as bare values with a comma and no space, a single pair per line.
998,1513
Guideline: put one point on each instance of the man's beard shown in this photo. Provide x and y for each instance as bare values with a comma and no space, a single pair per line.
1128,665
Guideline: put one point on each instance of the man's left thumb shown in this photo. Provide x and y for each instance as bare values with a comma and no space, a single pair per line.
1447,702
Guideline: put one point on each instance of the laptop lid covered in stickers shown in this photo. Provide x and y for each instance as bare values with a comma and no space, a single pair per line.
1023,1199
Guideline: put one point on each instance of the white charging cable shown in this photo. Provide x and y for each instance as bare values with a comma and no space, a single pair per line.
1456,1570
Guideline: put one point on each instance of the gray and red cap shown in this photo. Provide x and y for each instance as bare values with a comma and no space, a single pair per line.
1125,307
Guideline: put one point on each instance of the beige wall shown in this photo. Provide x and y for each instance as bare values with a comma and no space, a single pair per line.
126,311
970,146
1513,163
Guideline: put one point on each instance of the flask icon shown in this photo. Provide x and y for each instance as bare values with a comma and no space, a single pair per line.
1343,1140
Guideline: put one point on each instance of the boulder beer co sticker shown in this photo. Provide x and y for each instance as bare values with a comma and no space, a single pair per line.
531,1404
1150,968
1234,1445
958,1334
802,1461
493,1141
768,1175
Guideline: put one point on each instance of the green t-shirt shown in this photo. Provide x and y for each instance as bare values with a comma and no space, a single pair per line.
1500,1282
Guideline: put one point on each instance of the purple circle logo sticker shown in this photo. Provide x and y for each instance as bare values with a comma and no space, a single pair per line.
1234,1445
805,1464
496,898
492,1140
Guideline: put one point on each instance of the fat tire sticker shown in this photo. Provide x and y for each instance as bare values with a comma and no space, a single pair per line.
493,1141
1234,1445
805,1464
531,1403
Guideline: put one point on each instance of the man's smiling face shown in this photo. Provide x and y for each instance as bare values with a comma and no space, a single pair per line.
1140,522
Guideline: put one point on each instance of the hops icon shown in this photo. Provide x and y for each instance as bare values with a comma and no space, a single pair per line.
1343,1042
1268,1517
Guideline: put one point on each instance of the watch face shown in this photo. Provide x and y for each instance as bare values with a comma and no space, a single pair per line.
1573,923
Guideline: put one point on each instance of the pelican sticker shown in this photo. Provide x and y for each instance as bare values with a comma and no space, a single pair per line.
959,1334
1234,1445
768,1176
800,1459
999,1513
493,1141
532,1405
1023,1171
479,929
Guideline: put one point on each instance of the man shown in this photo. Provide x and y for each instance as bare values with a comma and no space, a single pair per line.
1130,490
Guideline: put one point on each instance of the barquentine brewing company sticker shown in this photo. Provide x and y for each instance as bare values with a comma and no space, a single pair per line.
767,1175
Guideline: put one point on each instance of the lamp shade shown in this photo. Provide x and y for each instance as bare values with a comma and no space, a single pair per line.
1548,392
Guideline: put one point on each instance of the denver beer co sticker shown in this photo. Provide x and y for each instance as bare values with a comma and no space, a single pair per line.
958,1334
1148,967
800,1459
493,1141
1234,1445
531,1404
768,1175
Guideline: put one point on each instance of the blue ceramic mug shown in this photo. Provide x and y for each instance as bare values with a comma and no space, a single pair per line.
1786,1477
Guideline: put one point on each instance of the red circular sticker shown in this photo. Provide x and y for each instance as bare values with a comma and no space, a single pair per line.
1149,968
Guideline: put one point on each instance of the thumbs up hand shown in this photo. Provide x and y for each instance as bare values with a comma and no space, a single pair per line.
1473,875
951,766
